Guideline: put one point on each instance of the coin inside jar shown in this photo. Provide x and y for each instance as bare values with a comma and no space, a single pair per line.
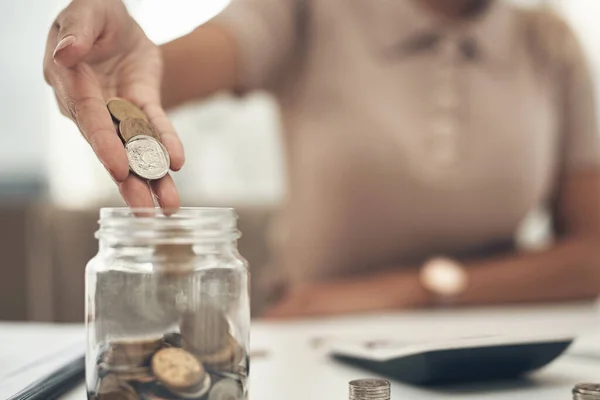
121,109
148,158
226,389
113,388
177,369
205,330
226,358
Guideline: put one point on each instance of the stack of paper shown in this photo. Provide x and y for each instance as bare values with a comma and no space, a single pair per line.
29,352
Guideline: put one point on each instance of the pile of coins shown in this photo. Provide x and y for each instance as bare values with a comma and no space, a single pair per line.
201,361
370,389
147,157
586,391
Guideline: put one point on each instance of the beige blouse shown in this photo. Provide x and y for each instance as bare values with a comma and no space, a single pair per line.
406,138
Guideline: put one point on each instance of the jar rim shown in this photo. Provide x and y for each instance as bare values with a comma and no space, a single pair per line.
185,224
153,212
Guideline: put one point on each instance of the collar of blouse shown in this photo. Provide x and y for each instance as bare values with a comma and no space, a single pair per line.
407,26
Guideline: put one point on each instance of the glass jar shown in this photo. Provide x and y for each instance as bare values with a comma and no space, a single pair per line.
167,306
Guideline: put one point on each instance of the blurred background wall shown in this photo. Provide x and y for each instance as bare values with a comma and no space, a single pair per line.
51,184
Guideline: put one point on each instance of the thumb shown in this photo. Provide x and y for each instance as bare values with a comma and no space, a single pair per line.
78,29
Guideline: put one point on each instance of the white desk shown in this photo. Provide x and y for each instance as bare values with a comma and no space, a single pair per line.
295,369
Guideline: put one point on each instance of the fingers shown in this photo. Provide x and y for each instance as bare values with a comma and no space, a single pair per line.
168,137
77,28
84,102
136,192
166,193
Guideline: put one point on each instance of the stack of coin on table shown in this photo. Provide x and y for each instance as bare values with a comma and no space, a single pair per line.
370,389
203,361
586,391
148,158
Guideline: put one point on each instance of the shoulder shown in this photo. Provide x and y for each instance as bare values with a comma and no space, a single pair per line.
548,36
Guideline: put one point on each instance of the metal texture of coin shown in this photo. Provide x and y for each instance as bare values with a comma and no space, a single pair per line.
131,127
196,392
142,343
118,130
122,369
226,389
586,391
121,109
113,388
177,369
131,352
205,330
159,392
225,359
369,389
148,158
172,339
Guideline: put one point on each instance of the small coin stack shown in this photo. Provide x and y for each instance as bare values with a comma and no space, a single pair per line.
148,158
586,391
203,361
369,389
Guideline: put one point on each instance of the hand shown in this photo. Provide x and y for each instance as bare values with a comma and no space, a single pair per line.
351,296
96,51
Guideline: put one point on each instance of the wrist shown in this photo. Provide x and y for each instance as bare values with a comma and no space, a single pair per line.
444,279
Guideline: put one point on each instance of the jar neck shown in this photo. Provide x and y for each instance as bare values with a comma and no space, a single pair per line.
124,229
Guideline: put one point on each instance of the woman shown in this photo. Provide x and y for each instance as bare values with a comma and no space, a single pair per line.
418,135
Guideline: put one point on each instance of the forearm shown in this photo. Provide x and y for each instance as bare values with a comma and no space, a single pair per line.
570,270
198,64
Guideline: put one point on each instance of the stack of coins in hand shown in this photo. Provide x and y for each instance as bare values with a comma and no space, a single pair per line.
586,391
201,361
369,389
148,158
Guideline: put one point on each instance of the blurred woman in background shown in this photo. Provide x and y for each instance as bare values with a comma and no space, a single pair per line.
419,134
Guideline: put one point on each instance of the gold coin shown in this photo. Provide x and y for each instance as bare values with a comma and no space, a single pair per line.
132,127
195,392
116,125
142,344
113,388
145,376
121,109
206,329
127,353
177,369
159,392
226,358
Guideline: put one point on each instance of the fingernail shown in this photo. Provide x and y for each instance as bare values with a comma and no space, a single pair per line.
65,42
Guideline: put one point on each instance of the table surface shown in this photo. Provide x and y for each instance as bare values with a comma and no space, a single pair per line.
295,364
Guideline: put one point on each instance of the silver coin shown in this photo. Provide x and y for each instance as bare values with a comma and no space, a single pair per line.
201,391
586,391
226,389
148,158
369,389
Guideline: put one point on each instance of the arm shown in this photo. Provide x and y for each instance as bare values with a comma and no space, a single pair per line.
569,270
199,64
245,47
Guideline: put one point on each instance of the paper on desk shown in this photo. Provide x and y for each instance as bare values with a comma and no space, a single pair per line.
29,352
